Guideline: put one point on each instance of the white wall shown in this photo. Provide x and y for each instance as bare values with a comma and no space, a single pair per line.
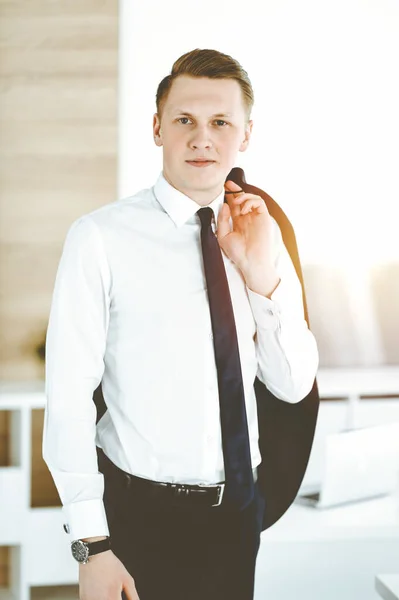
326,122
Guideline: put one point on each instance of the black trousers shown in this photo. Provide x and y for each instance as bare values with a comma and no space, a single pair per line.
182,552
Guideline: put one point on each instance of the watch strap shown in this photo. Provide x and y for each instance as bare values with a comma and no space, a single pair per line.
99,546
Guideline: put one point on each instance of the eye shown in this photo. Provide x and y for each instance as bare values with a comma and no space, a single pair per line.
220,121
183,119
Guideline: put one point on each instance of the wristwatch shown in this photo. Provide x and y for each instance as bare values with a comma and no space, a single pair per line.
81,551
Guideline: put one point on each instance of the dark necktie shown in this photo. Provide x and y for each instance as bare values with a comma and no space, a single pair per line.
239,479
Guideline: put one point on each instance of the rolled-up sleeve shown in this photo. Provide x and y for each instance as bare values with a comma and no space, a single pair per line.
286,349
74,365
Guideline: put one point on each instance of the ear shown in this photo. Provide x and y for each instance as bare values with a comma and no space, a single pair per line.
156,128
245,142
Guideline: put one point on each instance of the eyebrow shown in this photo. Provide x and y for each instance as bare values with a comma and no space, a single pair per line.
187,114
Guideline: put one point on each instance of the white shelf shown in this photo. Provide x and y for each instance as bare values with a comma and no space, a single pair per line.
13,501
16,395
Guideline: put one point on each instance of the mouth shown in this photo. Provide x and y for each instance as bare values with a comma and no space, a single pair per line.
200,163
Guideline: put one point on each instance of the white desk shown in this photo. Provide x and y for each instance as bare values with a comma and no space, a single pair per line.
333,554
387,586
370,518
356,381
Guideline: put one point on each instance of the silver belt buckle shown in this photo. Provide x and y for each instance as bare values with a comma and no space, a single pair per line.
220,487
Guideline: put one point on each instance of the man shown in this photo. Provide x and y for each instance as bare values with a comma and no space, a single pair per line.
134,309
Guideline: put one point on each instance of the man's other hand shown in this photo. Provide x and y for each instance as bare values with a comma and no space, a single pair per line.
104,577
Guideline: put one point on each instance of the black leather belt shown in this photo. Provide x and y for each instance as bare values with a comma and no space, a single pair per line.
207,495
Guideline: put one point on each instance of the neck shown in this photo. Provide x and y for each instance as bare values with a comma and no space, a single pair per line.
201,197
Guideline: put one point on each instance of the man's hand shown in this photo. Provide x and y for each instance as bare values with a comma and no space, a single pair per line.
104,577
250,243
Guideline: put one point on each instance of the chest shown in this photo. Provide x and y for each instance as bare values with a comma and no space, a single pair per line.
159,280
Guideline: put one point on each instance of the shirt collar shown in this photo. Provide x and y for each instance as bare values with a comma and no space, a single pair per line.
180,207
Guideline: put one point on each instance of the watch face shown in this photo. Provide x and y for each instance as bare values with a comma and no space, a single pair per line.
80,551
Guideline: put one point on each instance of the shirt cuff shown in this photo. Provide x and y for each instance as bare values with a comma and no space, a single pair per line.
266,311
85,519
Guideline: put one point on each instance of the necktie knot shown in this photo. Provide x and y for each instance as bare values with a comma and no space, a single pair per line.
205,214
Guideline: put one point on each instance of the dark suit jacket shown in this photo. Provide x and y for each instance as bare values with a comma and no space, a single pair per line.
286,431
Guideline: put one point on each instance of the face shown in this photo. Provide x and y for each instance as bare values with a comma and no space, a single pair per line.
201,118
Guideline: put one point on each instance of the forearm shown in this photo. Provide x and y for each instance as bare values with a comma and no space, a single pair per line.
262,281
287,360
286,349
69,451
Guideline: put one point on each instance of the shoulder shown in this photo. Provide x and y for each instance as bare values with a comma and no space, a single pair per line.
105,218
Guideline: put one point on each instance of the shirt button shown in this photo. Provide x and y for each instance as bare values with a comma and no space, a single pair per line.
210,438
269,311
66,528
211,336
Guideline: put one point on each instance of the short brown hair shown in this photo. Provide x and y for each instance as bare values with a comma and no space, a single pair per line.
207,63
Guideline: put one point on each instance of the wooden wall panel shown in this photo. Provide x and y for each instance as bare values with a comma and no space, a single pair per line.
58,132
58,160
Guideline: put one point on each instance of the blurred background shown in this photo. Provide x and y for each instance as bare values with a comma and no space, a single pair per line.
77,96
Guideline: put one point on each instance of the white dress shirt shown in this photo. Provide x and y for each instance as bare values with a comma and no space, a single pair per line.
130,309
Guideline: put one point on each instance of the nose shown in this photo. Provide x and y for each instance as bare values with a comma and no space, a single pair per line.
200,139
